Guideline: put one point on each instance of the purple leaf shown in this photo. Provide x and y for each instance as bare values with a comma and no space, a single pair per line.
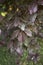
40,2
28,32
35,57
35,30
19,51
24,36
0,31
33,8
10,44
2,1
15,34
20,37
2,43
41,34
1,18
16,22
32,18
22,26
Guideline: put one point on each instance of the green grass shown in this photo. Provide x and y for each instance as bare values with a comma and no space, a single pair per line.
6,58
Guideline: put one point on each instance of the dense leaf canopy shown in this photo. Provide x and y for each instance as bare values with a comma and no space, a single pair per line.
21,25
